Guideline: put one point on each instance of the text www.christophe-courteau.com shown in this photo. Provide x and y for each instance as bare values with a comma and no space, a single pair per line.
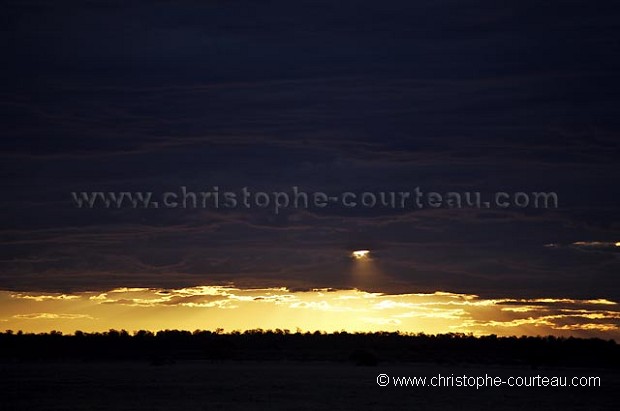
296,198
465,381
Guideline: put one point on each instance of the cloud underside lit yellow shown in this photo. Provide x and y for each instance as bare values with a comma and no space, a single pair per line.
231,308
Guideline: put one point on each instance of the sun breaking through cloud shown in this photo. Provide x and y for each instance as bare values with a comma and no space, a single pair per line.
361,254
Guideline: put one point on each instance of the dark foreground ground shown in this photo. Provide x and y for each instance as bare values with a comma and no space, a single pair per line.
293,385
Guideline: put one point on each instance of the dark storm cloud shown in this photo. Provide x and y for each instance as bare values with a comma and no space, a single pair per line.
329,96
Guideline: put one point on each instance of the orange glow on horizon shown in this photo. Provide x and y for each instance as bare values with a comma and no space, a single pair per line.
231,308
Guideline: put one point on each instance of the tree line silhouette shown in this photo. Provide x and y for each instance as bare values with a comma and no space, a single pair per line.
165,347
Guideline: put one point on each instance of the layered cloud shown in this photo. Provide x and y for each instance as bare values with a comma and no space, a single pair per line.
233,308
448,96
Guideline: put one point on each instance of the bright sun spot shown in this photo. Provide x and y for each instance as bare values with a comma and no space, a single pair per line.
618,244
361,254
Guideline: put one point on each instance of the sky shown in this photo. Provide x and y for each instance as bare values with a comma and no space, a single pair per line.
330,97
